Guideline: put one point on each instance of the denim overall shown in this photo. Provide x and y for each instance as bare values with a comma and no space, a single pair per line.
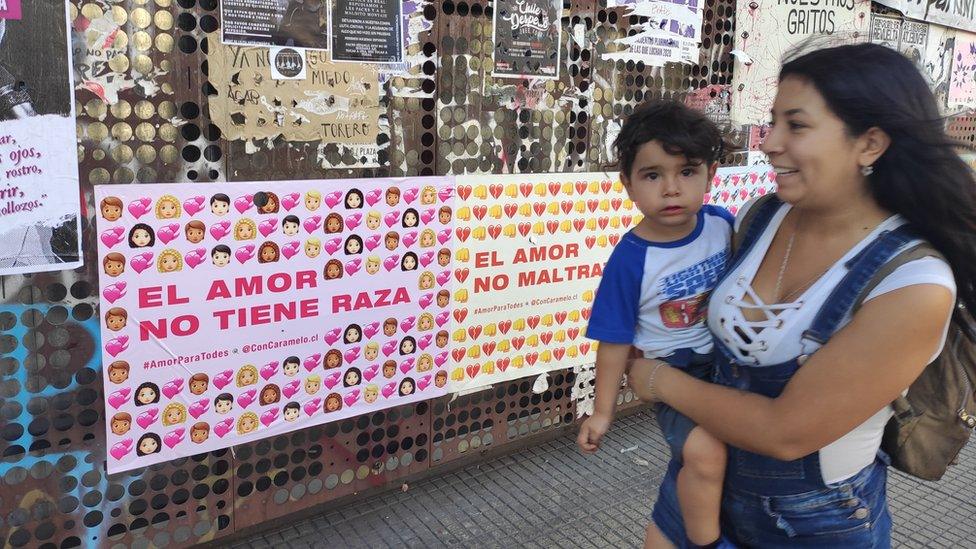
773,503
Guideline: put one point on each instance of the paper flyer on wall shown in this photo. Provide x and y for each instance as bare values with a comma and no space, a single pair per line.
234,314
295,23
367,31
671,33
40,200
527,37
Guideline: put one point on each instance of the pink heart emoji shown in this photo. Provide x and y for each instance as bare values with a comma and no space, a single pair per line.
117,345
733,210
223,378
423,382
353,221
139,207
351,397
424,342
244,253
440,359
370,373
333,198
269,370
220,230
244,203
389,347
352,354
373,196
289,201
268,226
409,238
373,241
391,262
141,262
444,236
410,195
313,361
111,237
332,379
352,267
371,329
172,388
289,250
406,365
120,397
121,449
312,223
391,218
247,398
199,408
426,258
442,318
332,245
292,388
167,233
443,277
195,257
333,335
408,323
223,427
427,216
312,406
426,300
269,417
174,437
113,292
389,389
194,205
445,193
147,418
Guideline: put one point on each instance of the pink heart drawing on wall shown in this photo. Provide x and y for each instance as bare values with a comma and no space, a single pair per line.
389,389
223,378
244,203
426,258
289,201
424,341
147,418
407,323
268,226
391,218
121,449
333,335
352,267
141,262
247,398
426,300
332,245
220,229
194,205
423,382
113,292
446,193
193,258
172,388
353,220
372,242
427,216
407,365
292,388
111,237
269,417
199,408
410,195
371,329
333,198
120,397
174,437
313,361
442,318
289,250
352,354
391,262
389,347
440,359
312,406
244,253
224,427
444,236
351,397
370,373
167,233
312,223
269,370
139,207
373,196
409,238
117,345
332,379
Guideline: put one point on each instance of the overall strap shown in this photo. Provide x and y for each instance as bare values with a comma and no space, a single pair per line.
862,271
752,226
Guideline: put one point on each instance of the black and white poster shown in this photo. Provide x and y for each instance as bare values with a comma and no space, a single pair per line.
527,36
367,31
295,23
40,200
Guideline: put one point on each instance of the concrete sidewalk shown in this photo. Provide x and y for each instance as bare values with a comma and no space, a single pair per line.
550,495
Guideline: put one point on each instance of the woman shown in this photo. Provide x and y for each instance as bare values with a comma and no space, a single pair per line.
859,148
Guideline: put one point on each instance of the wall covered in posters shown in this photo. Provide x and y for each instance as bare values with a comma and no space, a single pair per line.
955,14
766,31
527,38
296,23
40,221
245,313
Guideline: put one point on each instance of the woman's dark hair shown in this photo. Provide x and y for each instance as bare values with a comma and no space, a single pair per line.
142,227
678,128
920,175
154,437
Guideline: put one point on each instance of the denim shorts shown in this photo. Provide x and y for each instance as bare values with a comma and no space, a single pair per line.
675,425
851,513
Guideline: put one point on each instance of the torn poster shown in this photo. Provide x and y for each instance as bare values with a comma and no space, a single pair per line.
937,61
767,30
296,23
885,30
671,33
527,38
40,200
336,103
958,14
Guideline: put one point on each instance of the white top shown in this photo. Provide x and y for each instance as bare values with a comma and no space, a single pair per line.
777,339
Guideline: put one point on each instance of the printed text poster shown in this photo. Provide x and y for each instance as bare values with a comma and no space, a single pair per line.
367,31
527,38
40,219
236,315
671,33
296,23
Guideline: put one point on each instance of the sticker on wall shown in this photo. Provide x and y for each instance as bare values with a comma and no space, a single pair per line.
40,200
236,315
296,23
287,63
527,38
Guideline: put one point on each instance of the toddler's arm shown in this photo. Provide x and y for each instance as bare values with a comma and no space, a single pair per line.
611,361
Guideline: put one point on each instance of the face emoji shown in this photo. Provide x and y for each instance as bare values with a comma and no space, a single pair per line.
441,340
167,209
312,249
371,353
219,207
247,377
291,413
332,360
333,224
268,254
372,266
222,406
245,232
410,219
312,202
352,378
221,259
173,416
146,395
406,387
352,334
121,426
198,386
392,241
429,196
118,375
425,323
426,281
425,363
406,347
114,268
389,327
199,435
291,368
353,200
111,212
290,228
248,424
409,263
440,379
169,263
443,258
194,235
444,216
392,197
373,222
140,238
333,270
268,395
271,206
148,445
115,323
442,300
332,404
370,394
353,246
312,386
389,369
427,239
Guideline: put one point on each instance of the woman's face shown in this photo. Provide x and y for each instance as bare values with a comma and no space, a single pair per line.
244,232
148,445
425,323
427,240
194,235
332,360
269,254
332,405
409,263
248,424
268,395
247,377
428,197
406,347
271,206
146,395
167,209
353,200
140,237
353,246
410,219
169,263
352,378
173,415
333,225
332,271
406,387
816,161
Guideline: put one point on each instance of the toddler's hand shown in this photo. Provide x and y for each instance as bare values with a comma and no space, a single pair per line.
591,433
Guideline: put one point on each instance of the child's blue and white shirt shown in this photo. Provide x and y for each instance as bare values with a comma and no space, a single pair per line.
654,295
